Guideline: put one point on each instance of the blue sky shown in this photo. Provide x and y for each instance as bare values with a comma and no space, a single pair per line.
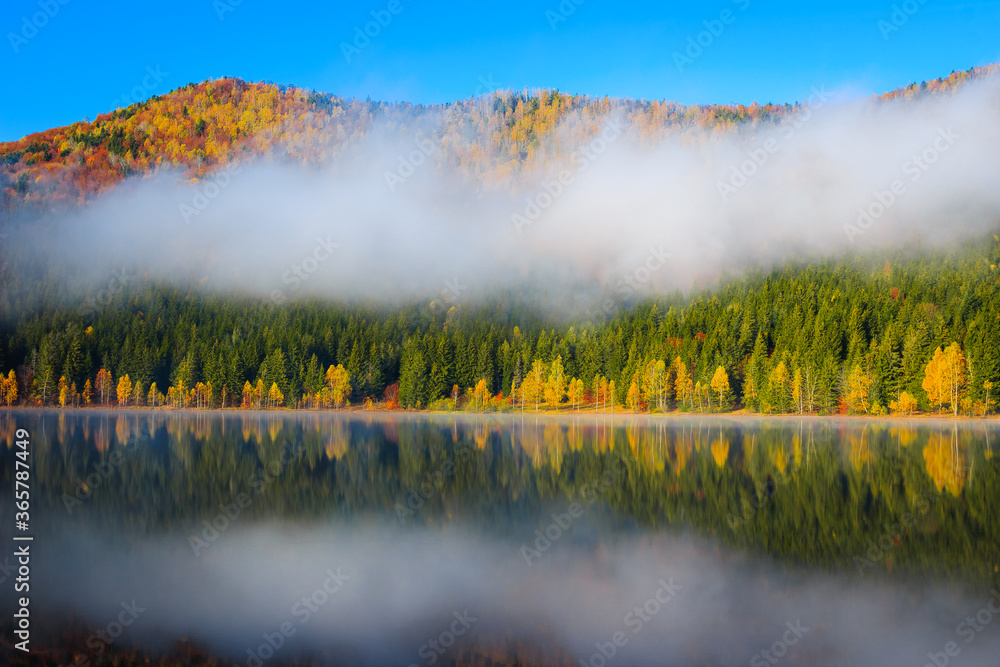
63,60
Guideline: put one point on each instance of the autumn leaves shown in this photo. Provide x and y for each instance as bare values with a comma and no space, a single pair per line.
946,377
652,388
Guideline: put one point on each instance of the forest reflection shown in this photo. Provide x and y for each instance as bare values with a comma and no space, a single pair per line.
814,490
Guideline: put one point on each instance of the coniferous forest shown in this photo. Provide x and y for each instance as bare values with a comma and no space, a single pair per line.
873,333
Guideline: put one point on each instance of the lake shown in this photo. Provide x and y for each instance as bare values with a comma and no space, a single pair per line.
417,539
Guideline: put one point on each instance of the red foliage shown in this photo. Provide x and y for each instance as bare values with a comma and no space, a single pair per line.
391,396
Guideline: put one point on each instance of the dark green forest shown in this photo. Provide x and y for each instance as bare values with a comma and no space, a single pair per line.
852,334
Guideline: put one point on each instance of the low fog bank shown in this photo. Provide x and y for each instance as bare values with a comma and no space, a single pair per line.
380,594
612,218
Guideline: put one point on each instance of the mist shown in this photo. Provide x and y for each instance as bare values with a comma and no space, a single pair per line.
400,587
616,217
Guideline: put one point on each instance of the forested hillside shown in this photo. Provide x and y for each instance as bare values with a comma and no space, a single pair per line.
200,127
865,335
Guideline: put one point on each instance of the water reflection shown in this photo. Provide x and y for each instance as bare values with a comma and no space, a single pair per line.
812,490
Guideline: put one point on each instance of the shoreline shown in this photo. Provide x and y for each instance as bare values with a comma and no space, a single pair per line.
511,414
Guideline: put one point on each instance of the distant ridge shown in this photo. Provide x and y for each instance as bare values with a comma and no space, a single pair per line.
200,127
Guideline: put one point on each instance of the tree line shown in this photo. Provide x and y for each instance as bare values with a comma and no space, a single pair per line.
867,334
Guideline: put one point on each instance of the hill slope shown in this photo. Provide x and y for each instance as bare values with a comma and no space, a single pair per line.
200,127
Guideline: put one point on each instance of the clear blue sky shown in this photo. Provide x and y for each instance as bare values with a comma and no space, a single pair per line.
87,54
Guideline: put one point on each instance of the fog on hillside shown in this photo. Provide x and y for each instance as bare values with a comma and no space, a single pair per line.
613,217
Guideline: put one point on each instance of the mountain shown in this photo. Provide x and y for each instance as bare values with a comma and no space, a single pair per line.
201,127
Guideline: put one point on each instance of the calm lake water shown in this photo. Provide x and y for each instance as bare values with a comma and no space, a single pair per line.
414,539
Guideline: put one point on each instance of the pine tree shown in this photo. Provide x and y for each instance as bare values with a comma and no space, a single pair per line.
413,376
442,376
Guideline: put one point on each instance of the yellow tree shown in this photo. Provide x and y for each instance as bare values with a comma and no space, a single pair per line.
124,390
576,393
650,390
63,391
632,401
720,384
154,395
954,374
339,382
555,386
10,389
906,404
247,396
986,385
611,395
274,396
859,384
797,390
259,394
534,384
934,383
683,386
87,392
480,395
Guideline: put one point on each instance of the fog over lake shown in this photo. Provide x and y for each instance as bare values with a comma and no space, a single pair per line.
406,540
